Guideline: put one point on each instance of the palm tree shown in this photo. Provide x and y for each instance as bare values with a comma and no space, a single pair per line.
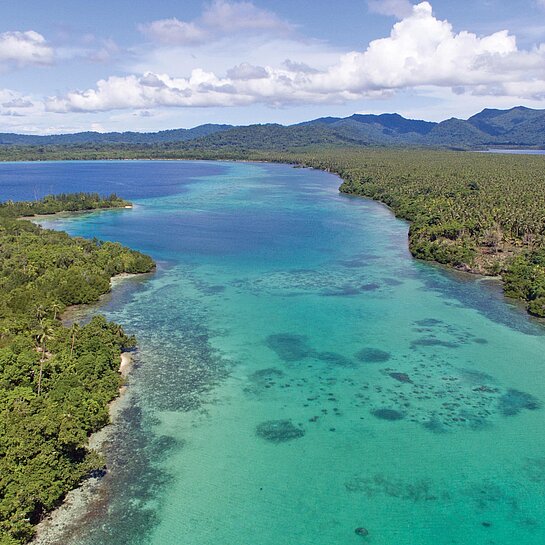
40,312
44,334
56,308
74,329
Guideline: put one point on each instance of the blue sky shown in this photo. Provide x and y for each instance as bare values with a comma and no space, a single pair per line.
139,65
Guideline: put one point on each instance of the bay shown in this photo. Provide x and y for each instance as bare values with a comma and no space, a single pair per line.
299,375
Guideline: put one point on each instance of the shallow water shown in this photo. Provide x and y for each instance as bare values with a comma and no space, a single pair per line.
300,376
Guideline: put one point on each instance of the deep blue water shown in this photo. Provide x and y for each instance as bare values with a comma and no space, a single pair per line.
130,179
299,375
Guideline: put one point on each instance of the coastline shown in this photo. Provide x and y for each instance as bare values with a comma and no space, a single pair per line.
79,500
295,163
68,213
77,503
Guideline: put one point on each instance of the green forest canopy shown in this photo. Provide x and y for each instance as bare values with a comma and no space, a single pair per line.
55,382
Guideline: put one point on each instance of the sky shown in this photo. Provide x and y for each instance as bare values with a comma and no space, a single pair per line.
116,65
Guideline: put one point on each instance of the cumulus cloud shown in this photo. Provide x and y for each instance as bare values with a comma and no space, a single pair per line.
17,102
221,17
293,66
107,50
174,32
247,71
397,8
421,50
23,48
15,107
235,16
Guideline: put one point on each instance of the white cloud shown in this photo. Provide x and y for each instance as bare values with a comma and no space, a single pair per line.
220,18
17,102
246,71
420,51
23,48
108,49
235,16
396,8
174,32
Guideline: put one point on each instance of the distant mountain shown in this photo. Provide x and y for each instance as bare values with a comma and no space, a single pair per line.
517,127
501,122
395,123
457,133
175,135
271,137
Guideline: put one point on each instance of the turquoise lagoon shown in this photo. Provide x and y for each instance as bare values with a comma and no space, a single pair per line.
299,375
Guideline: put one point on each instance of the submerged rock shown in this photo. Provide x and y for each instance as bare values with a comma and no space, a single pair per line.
334,359
266,374
514,401
279,431
401,377
289,347
372,355
372,286
433,341
428,322
361,531
388,414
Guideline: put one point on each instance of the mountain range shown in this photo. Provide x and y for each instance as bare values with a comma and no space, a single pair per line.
517,127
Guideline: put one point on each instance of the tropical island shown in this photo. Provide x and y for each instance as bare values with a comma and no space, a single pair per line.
343,342
55,382
475,212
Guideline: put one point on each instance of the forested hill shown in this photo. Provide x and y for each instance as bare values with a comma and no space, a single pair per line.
55,382
175,135
517,127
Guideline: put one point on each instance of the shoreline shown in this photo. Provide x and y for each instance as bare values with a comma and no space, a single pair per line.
77,503
299,163
69,213
84,311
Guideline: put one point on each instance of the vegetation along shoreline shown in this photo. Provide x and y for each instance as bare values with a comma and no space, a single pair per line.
56,382
459,216
475,212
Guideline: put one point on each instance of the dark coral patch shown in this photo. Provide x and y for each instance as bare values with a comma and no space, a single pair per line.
213,290
401,377
372,286
514,401
392,282
334,358
342,292
428,322
266,374
289,347
279,431
435,425
372,355
432,341
388,414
